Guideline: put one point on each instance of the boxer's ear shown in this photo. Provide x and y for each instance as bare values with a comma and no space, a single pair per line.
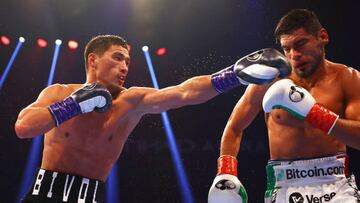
92,60
323,36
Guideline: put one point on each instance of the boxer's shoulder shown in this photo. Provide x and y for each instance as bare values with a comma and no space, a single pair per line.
60,90
341,71
135,92
132,95
64,87
348,77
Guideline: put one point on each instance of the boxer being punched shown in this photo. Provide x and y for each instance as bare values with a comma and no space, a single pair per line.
86,125
310,117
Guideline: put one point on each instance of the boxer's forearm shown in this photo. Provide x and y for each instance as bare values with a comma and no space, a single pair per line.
198,89
33,121
347,131
230,143
195,90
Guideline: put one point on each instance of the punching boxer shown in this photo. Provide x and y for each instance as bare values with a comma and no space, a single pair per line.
310,117
87,125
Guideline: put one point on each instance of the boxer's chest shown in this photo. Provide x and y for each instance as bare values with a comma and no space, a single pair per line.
330,95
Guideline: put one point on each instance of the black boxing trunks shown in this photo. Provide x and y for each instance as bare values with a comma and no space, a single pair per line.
51,186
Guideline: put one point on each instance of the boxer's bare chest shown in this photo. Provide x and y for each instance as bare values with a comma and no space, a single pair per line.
290,137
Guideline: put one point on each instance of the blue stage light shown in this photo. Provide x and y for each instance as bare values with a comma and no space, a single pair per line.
8,66
33,160
185,191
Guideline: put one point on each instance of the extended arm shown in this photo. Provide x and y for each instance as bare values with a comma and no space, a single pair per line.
260,67
192,91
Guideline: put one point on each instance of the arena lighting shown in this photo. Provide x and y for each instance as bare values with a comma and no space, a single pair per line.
145,49
36,145
11,61
112,186
72,44
161,51
21,39
53,64
5,40
180,172
42,43
58,42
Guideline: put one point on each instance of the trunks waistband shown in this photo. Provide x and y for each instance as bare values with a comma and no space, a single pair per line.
298,172
63,187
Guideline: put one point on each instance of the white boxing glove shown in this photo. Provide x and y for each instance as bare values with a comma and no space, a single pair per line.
226,187
284,94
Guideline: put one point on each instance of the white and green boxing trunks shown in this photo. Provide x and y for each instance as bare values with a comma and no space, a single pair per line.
319,180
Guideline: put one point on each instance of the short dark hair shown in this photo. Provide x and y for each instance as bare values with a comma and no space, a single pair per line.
295,19
101,43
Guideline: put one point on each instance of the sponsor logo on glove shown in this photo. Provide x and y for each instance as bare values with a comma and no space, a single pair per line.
225,185
296,94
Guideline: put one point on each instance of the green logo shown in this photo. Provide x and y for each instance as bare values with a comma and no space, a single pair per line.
280,175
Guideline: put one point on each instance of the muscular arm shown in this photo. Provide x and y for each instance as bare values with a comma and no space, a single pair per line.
347,129
269,62
243,114
36,119
195,90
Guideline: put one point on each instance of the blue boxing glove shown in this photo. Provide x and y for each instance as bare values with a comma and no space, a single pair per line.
91,97
260,67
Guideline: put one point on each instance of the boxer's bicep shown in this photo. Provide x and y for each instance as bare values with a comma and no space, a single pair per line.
352,96
36,119
247,107
150,100
347,128
243,114
352,110
47,96
193,91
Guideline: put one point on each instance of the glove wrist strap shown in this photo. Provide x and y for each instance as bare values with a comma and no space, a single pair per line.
225,79
227,165
64,110
322,118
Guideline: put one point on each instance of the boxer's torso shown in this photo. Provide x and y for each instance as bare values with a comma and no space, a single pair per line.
290,138
89,144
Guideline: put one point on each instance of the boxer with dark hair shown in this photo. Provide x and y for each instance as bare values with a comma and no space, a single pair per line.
87,125
310,117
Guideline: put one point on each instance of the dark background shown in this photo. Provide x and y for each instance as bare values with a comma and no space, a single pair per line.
202,36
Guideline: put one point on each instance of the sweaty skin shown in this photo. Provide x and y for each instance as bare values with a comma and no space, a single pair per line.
290,138
331,84
89,144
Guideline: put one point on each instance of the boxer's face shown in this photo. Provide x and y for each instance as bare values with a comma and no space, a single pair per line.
304,51
112,67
